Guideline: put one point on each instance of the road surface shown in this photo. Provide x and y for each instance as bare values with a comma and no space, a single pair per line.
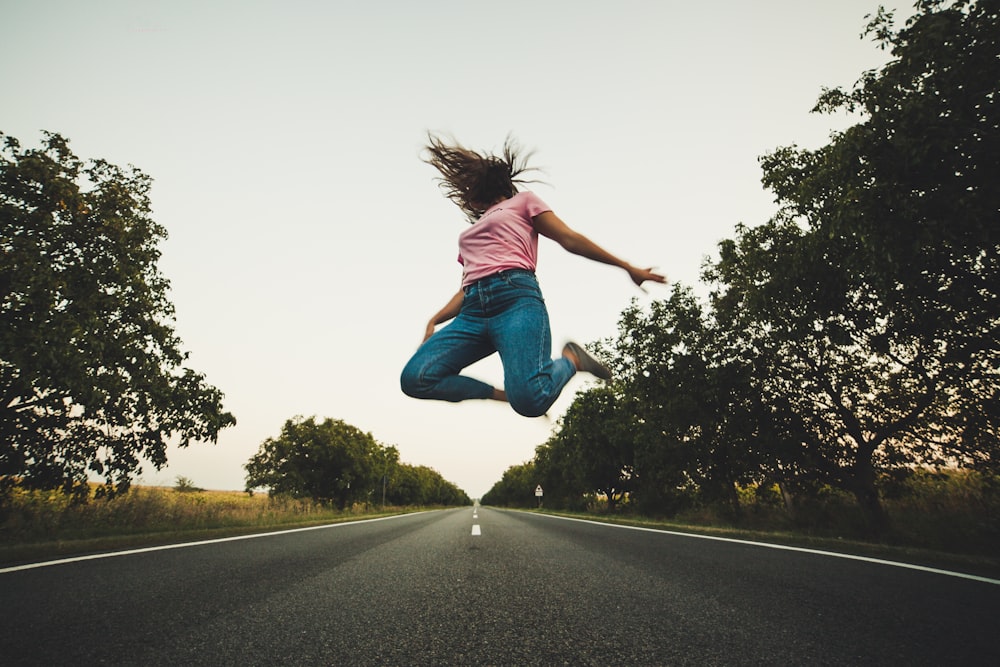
489,587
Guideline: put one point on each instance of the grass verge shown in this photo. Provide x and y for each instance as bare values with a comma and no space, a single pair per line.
36,526
979,564
953,530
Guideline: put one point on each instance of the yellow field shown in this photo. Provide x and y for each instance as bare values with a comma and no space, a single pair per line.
38,523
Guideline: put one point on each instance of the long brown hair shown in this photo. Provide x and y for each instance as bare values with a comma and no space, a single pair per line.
475,181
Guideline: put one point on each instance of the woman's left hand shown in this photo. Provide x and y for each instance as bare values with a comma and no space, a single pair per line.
639,276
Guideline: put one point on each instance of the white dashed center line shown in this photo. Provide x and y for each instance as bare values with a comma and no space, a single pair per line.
476,530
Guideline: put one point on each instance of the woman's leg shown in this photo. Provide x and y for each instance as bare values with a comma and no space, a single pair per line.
532,379
433,371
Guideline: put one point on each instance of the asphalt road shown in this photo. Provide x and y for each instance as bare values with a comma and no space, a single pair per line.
527,590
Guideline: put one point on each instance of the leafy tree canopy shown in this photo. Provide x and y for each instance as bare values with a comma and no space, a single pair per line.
92,376
334,461
857,331
516,488
328,460
870,303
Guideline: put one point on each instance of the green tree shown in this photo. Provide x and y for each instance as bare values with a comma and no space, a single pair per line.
695,416
516,487
922,209
420,485
185,485
556,471
870,304
92,377
443,492
597,438
330,460
387,464
832,401
406,487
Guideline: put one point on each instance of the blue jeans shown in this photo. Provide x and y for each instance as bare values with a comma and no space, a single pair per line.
502,313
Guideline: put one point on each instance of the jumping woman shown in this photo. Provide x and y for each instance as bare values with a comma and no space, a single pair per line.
499,307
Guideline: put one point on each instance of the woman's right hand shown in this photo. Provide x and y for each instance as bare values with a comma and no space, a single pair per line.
450,310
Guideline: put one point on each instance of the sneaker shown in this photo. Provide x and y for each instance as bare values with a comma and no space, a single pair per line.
587,363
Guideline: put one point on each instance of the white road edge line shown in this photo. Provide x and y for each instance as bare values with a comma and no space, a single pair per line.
182,545
784,547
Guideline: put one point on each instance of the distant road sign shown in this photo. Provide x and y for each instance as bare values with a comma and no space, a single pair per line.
538,491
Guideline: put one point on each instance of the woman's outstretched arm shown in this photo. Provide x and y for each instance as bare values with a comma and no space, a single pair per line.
548,224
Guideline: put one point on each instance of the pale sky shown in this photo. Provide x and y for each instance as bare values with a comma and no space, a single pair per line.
309,244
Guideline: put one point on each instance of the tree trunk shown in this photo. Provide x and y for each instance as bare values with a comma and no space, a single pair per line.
734,501
787,497
863,487
612,501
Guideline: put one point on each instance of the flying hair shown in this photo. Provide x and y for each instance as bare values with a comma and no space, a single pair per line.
475,181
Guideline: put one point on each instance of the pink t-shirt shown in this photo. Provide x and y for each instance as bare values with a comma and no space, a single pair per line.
503,238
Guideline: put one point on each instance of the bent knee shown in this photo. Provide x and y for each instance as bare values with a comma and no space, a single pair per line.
529,407
413,384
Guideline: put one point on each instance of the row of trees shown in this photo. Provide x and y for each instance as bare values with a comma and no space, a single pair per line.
853,334
336,462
